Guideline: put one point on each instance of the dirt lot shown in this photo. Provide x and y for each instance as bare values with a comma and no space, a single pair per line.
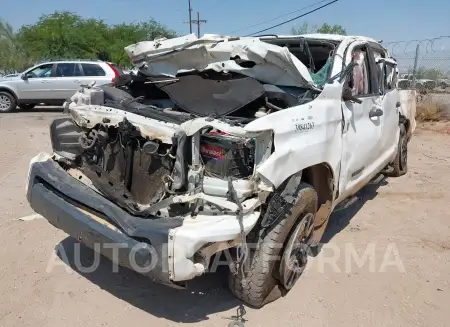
407,216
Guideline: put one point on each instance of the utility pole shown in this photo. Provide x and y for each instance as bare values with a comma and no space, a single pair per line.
198,21
190,17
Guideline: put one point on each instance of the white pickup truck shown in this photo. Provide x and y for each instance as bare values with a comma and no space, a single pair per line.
224,143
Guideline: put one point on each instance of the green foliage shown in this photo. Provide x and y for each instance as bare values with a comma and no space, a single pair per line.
428,73
325,29
12,57
65,35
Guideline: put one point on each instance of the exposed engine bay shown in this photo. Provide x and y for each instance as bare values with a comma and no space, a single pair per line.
233,98
145,176
235,80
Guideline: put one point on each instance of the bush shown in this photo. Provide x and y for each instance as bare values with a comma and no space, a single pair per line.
431,112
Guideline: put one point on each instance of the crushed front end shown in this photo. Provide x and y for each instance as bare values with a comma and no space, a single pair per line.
188,190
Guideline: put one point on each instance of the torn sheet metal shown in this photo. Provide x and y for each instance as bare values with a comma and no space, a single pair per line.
168,57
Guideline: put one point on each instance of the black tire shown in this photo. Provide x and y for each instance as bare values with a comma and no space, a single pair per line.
262,284
400,163
28,106
7,102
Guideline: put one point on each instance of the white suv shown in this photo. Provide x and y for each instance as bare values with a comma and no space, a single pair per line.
51,83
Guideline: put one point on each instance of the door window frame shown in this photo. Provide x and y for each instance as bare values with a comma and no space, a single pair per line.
374,89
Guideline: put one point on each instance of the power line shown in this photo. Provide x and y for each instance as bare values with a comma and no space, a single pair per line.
292,19
281,16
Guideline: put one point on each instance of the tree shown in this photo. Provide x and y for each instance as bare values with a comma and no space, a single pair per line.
331,29
428,73
12,56
305,28
126,34
64,35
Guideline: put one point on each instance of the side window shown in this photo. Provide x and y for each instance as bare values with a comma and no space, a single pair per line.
41,71
65,70
93,70
360,80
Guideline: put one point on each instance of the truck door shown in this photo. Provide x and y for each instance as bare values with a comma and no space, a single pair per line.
389,99
362,123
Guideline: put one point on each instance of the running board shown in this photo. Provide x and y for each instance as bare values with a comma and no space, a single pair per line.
379,178
346,203
387,170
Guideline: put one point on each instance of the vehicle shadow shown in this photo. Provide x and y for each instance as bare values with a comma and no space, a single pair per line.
43,109
205,295
339,220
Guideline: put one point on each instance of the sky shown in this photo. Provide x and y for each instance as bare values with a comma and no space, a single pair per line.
387,20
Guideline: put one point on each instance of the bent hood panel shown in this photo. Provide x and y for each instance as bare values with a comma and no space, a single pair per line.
273,64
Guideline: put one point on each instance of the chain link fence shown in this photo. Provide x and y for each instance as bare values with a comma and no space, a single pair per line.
424,65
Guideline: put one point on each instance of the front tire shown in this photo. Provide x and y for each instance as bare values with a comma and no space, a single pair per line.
7,102
263,281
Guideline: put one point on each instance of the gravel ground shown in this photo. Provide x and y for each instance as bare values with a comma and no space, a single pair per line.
404,220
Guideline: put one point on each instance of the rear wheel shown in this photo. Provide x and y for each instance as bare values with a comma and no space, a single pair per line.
278,251
7,102
400,164
27,106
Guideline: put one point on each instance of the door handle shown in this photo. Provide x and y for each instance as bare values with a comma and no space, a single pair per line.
76,81
375,112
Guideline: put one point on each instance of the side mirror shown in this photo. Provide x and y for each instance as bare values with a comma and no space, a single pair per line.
24,76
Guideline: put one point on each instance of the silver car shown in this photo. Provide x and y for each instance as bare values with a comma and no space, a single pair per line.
51,83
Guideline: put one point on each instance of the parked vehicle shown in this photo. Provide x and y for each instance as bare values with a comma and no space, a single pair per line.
224,143
52,83
443,83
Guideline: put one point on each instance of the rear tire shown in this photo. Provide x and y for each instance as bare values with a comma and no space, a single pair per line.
27,106
263,282
7,102
400,163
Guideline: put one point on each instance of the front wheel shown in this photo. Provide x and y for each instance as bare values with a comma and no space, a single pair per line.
279,249
7,102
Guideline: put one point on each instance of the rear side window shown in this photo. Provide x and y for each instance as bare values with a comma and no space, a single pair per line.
93,70
66,70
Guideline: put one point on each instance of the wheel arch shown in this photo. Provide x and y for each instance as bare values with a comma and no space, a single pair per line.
7,89
322,178
405,121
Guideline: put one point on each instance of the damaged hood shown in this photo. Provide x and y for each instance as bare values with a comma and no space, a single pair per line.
252,57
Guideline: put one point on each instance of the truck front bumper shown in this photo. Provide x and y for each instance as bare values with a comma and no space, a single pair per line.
161,248
139,244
